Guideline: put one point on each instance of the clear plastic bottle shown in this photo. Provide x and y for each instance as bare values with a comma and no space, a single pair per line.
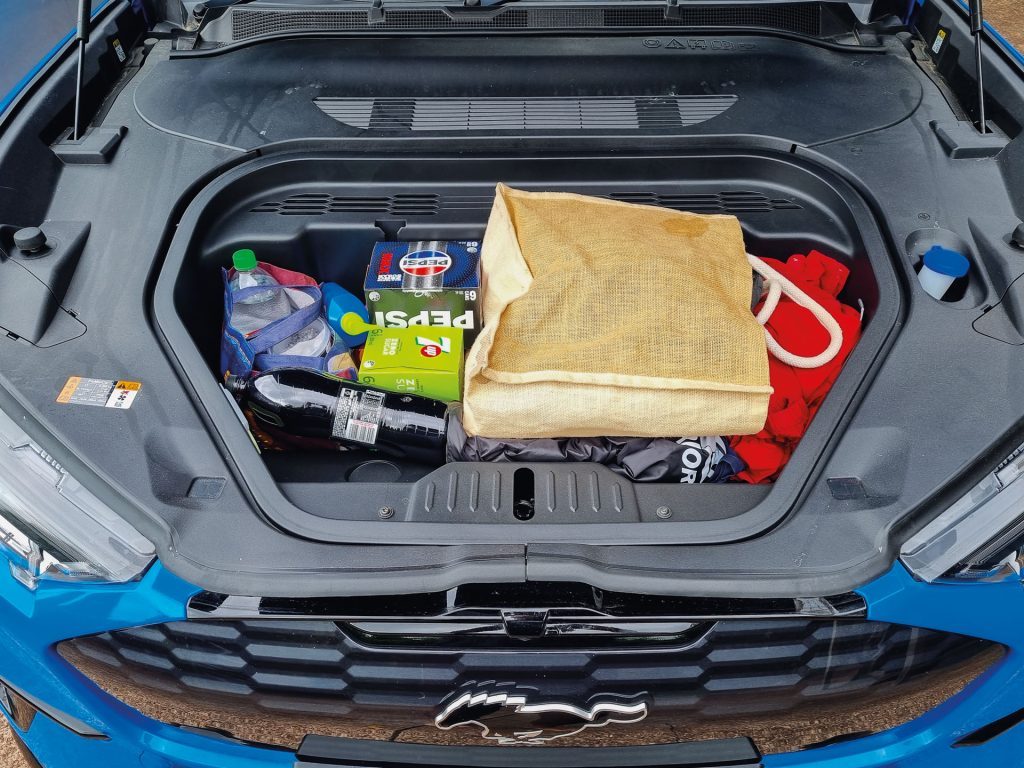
261,308
312,404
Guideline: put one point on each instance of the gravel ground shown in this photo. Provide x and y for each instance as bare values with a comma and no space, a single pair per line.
1002,15
9,757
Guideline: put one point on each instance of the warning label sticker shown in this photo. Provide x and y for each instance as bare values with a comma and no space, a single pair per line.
105,393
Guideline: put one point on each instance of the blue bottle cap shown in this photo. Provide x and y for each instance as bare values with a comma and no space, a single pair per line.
946,262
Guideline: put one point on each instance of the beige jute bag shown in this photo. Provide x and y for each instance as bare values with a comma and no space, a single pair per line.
604,318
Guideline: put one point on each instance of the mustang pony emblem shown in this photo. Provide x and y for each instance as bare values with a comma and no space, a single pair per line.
509,717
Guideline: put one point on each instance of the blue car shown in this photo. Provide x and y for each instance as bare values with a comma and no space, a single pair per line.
222,547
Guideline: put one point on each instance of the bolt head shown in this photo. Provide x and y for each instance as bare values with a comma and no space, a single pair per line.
1017,236
30,239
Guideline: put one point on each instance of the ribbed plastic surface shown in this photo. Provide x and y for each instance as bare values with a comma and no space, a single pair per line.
430,204
660,114
799,18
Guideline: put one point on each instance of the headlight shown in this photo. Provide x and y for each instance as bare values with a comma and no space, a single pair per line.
51,527
980,536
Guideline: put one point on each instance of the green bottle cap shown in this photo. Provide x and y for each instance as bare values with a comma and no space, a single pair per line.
353,324
244,260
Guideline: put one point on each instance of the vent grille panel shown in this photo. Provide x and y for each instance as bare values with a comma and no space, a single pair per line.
430,204
798,18
803,18
524,115
720,202
317,204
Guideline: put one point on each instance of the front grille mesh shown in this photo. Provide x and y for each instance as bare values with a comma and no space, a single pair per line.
783,682
798,18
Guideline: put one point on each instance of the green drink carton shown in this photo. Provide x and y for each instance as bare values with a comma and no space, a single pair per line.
429,283
419,361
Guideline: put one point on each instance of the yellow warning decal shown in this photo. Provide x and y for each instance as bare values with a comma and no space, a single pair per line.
69,389
105,393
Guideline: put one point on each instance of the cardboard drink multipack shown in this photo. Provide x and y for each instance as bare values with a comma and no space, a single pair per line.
417,361
428,283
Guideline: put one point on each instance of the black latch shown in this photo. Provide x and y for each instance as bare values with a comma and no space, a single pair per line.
525,623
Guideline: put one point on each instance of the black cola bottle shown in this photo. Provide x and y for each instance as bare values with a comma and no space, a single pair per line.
310,404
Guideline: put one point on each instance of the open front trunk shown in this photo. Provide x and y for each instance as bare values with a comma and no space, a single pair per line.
310,144
320,214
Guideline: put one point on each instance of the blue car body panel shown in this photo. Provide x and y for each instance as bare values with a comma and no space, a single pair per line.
31,36
31,623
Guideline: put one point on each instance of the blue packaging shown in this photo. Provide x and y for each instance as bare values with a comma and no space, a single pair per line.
429,282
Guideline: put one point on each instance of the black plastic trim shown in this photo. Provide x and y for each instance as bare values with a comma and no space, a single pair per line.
994,729
63,719
482,600
332,751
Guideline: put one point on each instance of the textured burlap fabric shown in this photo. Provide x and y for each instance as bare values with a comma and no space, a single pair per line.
607,318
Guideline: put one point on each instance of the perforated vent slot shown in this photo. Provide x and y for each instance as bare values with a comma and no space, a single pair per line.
316,204
428,204
521,115
800,18
720,202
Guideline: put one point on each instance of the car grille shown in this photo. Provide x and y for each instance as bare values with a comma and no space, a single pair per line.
783,682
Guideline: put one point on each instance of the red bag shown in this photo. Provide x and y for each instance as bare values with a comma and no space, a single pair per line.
799,392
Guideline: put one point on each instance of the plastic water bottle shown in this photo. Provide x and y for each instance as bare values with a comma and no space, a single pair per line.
249,275
262,307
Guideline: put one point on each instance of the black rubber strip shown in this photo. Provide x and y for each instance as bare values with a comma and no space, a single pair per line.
988,732
718,753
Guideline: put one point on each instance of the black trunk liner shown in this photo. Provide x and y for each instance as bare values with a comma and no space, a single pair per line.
321,214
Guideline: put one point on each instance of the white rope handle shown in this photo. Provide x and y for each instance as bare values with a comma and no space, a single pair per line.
777,285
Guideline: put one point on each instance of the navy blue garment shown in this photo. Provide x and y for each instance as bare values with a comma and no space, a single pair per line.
640,459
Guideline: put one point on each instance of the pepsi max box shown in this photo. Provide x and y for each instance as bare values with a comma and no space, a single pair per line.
433,283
